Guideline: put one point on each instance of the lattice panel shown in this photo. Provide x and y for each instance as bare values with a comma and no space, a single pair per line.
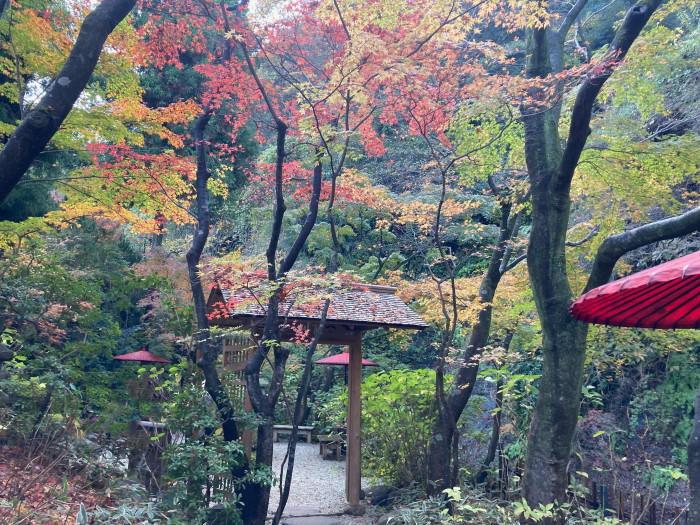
237,349
236,352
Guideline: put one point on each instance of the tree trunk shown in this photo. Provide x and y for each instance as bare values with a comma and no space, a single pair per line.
40,124
298,417
551,169
207,353
443,434
694,465
264,403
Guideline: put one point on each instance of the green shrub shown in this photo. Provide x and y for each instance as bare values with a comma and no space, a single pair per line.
398,412
666,409
466,506
198,466
329,410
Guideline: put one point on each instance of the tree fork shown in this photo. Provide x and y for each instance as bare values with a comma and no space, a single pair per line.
551,169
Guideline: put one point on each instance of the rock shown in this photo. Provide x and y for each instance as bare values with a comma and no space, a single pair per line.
355,510
379,495
384,518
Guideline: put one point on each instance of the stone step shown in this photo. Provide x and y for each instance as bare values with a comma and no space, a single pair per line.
311,520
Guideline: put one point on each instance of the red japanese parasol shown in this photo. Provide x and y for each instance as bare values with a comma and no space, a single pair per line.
143,356
342,359
663,296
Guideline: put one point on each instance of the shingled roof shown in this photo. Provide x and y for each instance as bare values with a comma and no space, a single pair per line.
368,306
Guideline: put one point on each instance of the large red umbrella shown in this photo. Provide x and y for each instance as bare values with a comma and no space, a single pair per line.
342,359
663,296
143,356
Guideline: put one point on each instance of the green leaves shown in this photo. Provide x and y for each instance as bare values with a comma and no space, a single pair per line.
398,411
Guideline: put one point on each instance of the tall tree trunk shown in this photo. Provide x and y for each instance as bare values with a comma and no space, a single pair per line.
207,352
440,456
264,403
42,122
298,416
551,169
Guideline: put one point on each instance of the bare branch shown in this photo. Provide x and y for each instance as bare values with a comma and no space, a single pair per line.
342,20
570,18
515,262
594,231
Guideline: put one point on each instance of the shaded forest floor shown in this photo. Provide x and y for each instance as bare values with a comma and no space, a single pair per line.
42,489
628,465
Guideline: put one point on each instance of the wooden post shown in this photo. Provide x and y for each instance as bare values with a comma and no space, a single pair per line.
353,462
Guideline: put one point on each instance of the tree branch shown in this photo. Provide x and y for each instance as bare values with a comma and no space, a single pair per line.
594,231
40,124
615,246
309,222
286,484
570,18
515,262
579,129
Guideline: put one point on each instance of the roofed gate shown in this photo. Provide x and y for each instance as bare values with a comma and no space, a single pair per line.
352,311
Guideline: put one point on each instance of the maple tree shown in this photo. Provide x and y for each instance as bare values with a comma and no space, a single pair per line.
334,100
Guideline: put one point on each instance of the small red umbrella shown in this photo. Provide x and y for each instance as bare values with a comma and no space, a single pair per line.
663,296
143,355
342,359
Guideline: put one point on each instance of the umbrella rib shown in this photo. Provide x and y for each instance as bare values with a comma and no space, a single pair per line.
611,305
633,314
689,299
633,302
670,304
673,292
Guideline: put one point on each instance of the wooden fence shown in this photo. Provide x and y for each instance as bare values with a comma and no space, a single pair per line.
638,509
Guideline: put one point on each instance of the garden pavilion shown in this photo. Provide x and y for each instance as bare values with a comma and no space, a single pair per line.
352,311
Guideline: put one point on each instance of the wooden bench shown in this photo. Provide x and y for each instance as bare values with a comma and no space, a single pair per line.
287,429
331,444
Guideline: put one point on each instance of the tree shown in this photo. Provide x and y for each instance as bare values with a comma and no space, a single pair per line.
41,123
460,152
551,168
361,67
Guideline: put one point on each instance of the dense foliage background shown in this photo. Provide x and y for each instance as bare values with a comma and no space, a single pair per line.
422,162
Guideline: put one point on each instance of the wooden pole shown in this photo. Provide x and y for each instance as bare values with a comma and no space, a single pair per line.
353,464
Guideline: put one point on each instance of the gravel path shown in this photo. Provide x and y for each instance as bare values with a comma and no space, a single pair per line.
318,486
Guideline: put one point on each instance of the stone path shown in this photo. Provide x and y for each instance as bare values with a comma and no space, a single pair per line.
318,489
